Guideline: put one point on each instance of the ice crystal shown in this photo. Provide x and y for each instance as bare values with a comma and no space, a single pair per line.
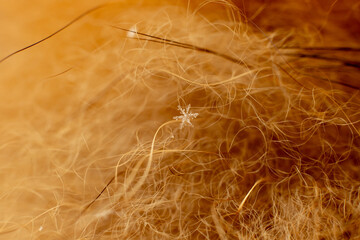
186,116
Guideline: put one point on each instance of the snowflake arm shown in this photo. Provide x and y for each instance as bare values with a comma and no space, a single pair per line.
186,116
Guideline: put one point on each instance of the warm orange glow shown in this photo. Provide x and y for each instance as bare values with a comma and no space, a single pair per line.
266,144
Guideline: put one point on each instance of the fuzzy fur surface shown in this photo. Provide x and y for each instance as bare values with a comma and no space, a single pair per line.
90,148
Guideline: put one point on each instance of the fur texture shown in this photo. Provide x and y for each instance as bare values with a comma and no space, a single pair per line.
90,149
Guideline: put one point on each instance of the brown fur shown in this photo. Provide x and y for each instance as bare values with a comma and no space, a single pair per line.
89,148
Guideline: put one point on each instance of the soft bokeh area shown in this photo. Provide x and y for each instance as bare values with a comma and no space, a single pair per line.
267,145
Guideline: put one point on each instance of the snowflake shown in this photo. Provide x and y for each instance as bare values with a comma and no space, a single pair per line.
186,116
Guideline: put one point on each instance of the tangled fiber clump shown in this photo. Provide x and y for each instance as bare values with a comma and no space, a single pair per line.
90,148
